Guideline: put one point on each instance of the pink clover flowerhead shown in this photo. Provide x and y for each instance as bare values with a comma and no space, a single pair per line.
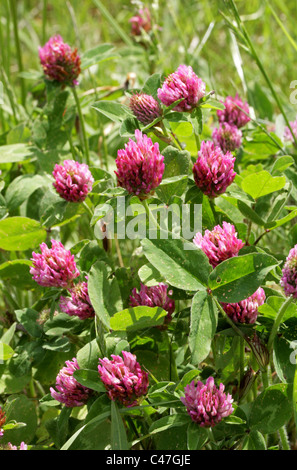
246,311
123,378
54,267
140,166
73,180
183,85
213,170
69,391
219,244
59,62
206,404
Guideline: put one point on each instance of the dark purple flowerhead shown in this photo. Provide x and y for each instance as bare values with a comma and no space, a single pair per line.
60,62
214,170
232,114
154,296
123,378
69,391
145,108
73,180
182,84
206,404
54,267
246,311
140,166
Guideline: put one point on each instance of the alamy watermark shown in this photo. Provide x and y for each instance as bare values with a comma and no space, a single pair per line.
174,221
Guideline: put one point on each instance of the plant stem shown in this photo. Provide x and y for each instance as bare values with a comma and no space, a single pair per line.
228,319
82,125
241,358
44,18
118,249
284,438
260,66
18,48
149,213
88,209
277,322
104,12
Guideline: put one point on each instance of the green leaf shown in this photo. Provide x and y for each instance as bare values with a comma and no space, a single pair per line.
239,277
28,318
278,223
115,111
281,164
17,273
21,189
128,127
104,293
271,410
87,356
196,436
212,104
15,153
22,410
136,318
204,319
182,268
254,441
20,234
149,275
262,183
89,378
167,422
6,352
118,433
152,84
177,165
96,55
248,212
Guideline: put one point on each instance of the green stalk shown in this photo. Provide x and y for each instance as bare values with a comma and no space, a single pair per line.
88,209
44,18
287,34
18,48
113,23
277,322
149,213
284,438
82,125
228,319
260,66
241,358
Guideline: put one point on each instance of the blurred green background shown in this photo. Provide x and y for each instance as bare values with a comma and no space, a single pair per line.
191,32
